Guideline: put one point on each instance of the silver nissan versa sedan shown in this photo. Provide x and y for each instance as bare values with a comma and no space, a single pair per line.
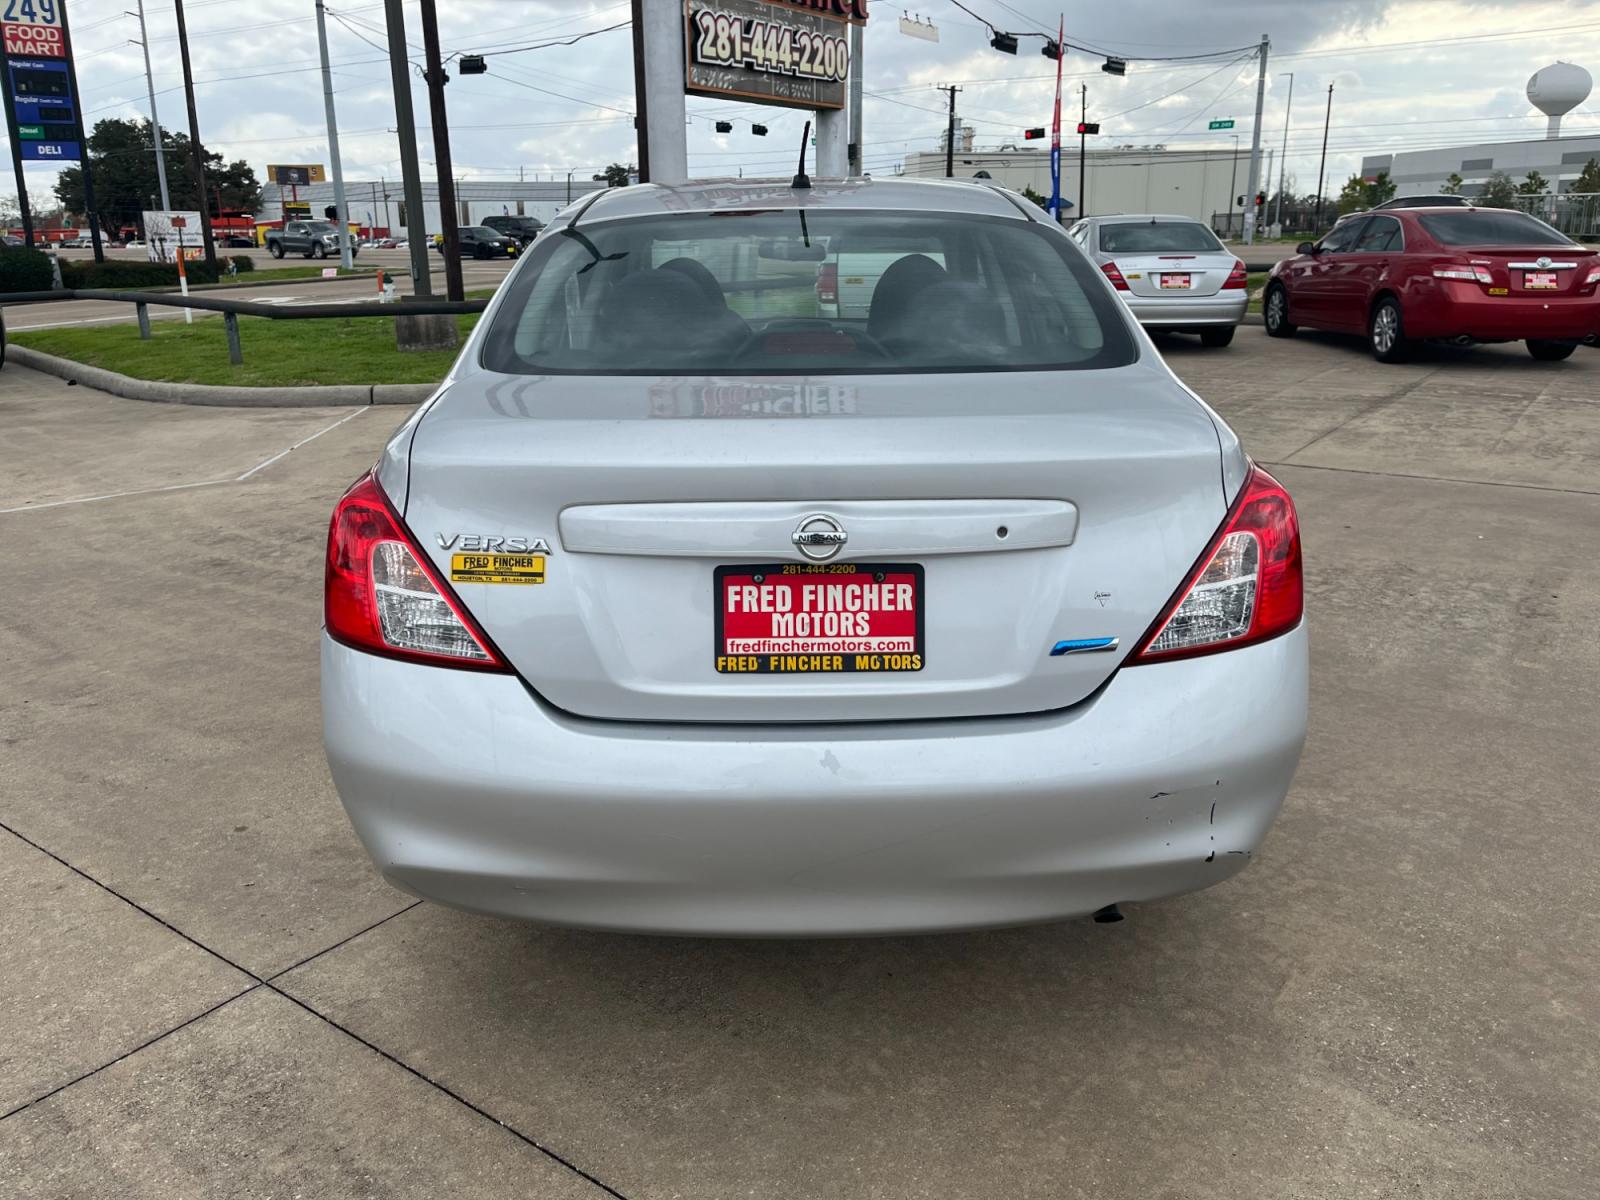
684,608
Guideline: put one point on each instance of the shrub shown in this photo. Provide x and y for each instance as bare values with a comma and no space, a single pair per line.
24,270
87,273
242,262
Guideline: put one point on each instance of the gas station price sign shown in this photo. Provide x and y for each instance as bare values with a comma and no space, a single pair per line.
38,81
768,51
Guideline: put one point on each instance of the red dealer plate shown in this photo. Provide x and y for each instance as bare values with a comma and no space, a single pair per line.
816,618
1544,281
1175,281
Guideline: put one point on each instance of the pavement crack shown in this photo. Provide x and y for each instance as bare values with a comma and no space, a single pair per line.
342,942
450,1092
145,1045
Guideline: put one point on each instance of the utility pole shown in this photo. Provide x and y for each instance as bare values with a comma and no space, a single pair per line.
1283,159
1255,149
346,259
410,169
1233,184
950,133
155,119
857,157
448,223
641,101
1322,166
1083,144
196,154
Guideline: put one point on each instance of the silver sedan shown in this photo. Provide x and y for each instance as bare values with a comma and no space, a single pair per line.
690,605
1172,272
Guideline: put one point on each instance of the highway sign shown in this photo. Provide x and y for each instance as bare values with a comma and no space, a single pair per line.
1228,124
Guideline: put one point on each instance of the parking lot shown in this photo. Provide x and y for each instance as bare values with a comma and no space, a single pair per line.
208,991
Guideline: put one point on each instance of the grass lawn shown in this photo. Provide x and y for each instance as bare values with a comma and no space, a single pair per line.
307,272
276,353
1256,281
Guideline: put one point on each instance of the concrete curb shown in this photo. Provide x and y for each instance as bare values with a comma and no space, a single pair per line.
218,396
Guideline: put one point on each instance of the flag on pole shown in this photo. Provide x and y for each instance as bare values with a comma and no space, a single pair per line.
1055,128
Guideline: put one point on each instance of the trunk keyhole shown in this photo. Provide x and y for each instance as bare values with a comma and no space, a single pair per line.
1001,532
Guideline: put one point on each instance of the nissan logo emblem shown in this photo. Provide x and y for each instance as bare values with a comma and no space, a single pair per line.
819,537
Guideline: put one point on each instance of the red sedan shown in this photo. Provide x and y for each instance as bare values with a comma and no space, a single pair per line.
1462,275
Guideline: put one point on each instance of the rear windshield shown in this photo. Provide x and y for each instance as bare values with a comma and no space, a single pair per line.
767,293
1156,237
1482,228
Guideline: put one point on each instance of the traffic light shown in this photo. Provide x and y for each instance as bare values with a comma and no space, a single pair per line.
759,130
1029,134
1006,43
1088,127
1115,66
472,64
724,126
1052,50
1261,199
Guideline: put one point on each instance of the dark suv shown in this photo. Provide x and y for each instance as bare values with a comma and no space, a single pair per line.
523,229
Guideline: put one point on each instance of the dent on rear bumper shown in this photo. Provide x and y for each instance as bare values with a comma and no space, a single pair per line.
468,790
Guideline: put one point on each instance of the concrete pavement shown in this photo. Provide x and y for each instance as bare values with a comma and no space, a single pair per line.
208,991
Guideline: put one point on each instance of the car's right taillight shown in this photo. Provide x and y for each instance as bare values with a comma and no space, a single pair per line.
1245,588
1115,275
380,595
1592,278
828,283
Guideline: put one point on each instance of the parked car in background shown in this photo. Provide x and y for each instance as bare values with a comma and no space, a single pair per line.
82,242
9,240
523,229
479,241
309,239
1172,272
1425,202
1454,274
689,608
239,241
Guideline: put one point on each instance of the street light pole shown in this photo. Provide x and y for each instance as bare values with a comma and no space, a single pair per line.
1233,184
1317,223
155,119
346,258
1283,159
1083,146
1255,148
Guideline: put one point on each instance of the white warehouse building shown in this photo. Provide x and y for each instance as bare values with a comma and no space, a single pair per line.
1195,183
1424,172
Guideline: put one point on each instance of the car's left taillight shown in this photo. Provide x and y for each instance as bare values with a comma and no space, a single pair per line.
1237,278
1246,587
380,595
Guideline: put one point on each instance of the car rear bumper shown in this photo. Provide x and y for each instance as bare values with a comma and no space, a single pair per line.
1188,312
1469,313
467,790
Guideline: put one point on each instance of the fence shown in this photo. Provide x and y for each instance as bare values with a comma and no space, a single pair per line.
1576,214
232,310
1295,221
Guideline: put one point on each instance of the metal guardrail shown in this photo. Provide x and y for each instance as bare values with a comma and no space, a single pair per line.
232,310
1576,214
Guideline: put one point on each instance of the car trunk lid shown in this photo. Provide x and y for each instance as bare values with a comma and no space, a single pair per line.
1062,507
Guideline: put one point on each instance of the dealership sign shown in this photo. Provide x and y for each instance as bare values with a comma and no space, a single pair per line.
41,108
790,52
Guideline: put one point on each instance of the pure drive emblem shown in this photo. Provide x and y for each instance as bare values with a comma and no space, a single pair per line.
819,537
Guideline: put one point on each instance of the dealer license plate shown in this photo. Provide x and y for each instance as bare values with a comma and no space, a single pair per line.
1175,281
818,618
1541,280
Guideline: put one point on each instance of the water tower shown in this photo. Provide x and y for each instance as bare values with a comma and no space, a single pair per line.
1558,89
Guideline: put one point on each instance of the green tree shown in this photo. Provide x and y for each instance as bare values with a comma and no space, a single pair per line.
1534,185
616,175
1038,198
1357,194
1452,185
1498,192
122,156
1589,179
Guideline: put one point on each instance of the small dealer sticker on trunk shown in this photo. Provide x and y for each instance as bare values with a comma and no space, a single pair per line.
497,568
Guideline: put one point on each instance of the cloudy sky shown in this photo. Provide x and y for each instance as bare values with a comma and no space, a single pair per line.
1407,74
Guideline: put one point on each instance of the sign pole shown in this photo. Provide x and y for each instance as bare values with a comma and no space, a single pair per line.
22,181
196,152
1055,130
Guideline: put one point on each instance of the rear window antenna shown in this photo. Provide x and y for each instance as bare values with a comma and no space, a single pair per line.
801,179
